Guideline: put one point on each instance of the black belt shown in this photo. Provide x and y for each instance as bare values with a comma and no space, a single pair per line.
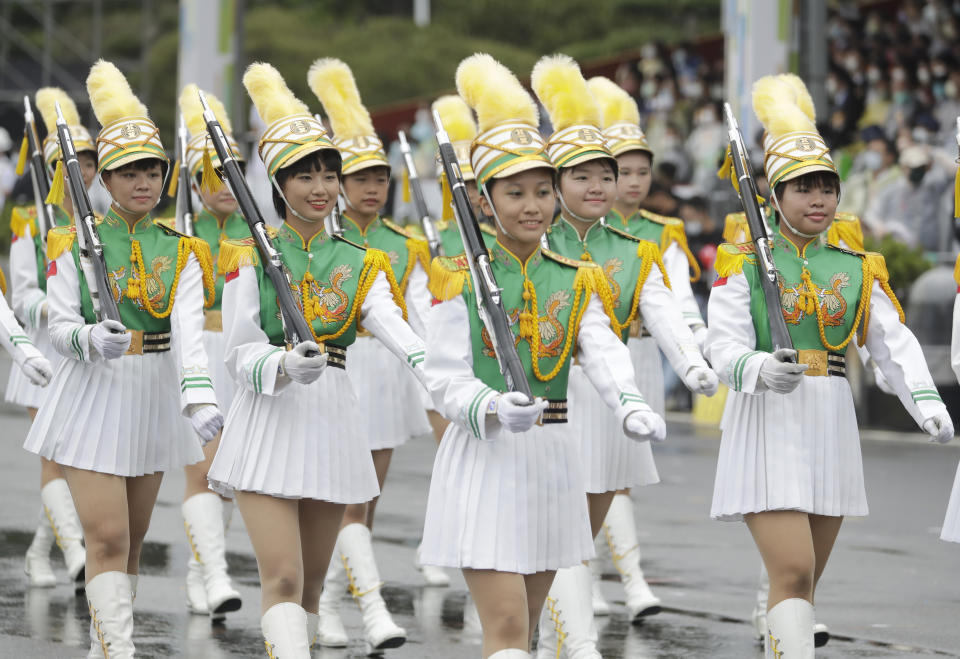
556,412
143,342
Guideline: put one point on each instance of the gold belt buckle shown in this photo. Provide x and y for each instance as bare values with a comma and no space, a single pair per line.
213,320
817,360
636,325
136,342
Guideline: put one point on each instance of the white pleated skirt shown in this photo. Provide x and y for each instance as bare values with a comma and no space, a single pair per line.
20,390
223,384
647,365
951,523
300,444
515,503
390,407
799,451
609,459
120,416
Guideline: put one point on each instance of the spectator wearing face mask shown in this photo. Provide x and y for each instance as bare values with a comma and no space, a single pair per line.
912,207
874,170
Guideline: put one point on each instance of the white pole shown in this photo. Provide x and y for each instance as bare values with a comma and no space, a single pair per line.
421,12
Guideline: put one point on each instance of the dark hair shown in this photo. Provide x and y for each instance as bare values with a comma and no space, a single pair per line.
378,169
142,165
92,153
553,179
610,162
813,180
324,159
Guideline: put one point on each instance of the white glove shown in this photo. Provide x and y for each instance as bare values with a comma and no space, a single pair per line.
701,380
644,425
700,336
781,376
939,427
301,368
38,370
882,381
517,413
207,422
110,339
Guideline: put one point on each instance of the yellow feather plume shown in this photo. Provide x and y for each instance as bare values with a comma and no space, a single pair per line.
270,94
111,95
457,118
616,105
774,101
804,100
494,92
560,86
333,83
192,111
47,99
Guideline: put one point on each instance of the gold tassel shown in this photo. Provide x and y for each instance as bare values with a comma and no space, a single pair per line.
209,181
406,186
956,194
956,272
60,240
447,278
174,179
447,198
235,254
735,228
730,259
55,196
22,158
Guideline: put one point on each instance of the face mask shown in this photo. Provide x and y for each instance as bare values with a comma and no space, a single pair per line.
939,70
901,97
898,74
923,76
950,89
648,88
851,63
871,160
915,176
831,86
873,75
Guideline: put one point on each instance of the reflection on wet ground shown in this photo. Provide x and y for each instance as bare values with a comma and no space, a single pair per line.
439,620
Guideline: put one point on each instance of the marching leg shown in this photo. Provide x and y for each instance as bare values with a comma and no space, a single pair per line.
331,632
790,630
284,628
203,521
356,550
621,533
60,510
600,605
760,607
111,614
570,608
37,561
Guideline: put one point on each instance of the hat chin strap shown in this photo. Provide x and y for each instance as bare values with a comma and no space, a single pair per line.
578,218
496,216
783,218
289,207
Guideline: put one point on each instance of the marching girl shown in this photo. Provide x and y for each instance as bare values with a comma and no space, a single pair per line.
58,516
506,500
290,448
790,463
951,523
620,120
115,418
18,345
205,514
391,408
586,189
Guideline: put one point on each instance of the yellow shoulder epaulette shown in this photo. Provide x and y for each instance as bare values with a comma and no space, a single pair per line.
734,225
60,240
846,228
21,218
236,253
487,229
956,271
621,233
674,232
563,260
406,232
448,275
849,250
3,283
660,219
169,223
874,268
730,258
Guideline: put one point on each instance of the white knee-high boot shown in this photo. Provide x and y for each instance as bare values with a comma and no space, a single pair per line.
37,561
111,614
790,630
284,628
62,514
600,605
569,611
356,551
203,521
620,530
330,630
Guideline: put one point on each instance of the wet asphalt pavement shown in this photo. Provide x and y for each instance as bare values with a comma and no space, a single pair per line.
892,589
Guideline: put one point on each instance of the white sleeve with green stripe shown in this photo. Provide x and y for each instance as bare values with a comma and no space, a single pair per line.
678,269
898,354
250,358
13,338
606,362
457,393
731,339
186,338
380,316
69,333
660,309
26,296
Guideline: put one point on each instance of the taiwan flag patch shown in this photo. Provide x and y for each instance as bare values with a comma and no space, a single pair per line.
51,269
720,281
230,276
